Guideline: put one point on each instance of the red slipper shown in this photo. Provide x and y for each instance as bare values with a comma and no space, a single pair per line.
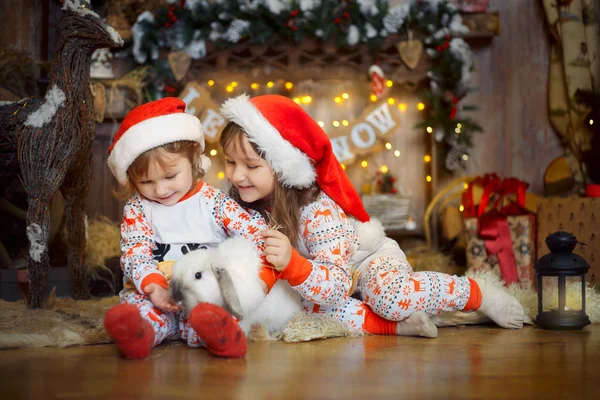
132,334
219,331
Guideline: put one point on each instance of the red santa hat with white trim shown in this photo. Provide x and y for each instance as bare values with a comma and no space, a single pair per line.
149,126
295,146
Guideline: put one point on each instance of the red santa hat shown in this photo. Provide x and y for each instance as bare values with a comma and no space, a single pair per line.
149,126
295,146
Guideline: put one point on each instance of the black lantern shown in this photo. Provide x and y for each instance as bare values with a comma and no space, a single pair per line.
562,263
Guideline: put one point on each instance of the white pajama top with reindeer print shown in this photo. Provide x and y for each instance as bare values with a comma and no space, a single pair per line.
152,232
328,268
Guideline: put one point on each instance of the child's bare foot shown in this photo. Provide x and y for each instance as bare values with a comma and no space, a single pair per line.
418,324
500,307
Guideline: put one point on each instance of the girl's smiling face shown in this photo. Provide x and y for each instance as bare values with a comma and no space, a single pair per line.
248,171
167,183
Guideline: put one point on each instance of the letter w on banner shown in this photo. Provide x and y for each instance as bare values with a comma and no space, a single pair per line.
360,136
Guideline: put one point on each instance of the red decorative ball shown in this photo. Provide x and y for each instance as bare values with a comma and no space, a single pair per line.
337,20
439,48
346,14
167,24
295,13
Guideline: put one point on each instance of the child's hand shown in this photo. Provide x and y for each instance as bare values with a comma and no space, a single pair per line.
159,296
278,249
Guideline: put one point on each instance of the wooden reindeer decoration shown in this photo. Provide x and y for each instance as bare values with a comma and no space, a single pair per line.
54,141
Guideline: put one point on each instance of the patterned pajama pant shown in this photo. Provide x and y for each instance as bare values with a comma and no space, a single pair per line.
394,291
165,324
391,289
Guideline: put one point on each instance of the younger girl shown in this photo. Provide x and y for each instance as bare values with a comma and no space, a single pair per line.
281,163
157,159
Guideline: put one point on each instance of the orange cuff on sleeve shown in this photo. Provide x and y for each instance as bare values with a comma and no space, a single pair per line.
298,269
269,276
474,301
157,278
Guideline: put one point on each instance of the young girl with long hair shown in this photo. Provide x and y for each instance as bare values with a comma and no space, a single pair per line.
281,163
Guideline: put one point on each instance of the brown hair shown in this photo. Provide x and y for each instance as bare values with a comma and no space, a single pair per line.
285,202
139,168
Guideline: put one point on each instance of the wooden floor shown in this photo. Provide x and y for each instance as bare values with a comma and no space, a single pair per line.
481,362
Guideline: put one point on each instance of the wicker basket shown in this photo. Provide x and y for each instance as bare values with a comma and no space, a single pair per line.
391,209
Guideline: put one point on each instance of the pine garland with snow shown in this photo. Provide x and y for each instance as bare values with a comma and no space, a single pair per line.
187,25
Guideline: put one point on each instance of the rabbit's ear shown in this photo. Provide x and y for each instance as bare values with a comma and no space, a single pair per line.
232,302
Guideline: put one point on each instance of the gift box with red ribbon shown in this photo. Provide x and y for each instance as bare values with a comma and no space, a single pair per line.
500,237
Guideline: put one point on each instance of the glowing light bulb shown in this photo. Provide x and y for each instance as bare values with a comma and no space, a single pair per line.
229,89
427,158
373,97
465,185
397,153
234,84
429,129
306,99
364,163
391,101
428,179
345,122
338,99
336,123
457,130
345,96
270,84
389,83
213,152
459,125
591,122
388,146
321,124
289,85
402,106
211,83
384,169
420,106
461,208
221,175
343,166
297,100
254,86
465,157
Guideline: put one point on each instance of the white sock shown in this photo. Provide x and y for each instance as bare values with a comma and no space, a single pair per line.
500,307
418,324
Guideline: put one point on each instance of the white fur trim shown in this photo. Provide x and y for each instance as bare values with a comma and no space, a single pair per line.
149,134
292,166
377,70
370,234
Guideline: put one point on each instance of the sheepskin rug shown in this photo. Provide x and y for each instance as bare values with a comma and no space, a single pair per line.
65,322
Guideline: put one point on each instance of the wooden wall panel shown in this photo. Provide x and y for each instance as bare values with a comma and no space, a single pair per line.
21,22
512,77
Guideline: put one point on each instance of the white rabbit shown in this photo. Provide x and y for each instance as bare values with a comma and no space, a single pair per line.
228,275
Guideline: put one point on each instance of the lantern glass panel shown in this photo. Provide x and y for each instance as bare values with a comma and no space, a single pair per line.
551,293
573,295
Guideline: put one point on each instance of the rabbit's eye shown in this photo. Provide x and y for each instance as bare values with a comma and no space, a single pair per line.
198,275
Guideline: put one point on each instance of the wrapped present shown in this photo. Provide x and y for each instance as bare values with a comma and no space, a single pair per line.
578,216
500,238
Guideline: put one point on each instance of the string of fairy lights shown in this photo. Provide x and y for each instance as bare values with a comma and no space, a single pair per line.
273,86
